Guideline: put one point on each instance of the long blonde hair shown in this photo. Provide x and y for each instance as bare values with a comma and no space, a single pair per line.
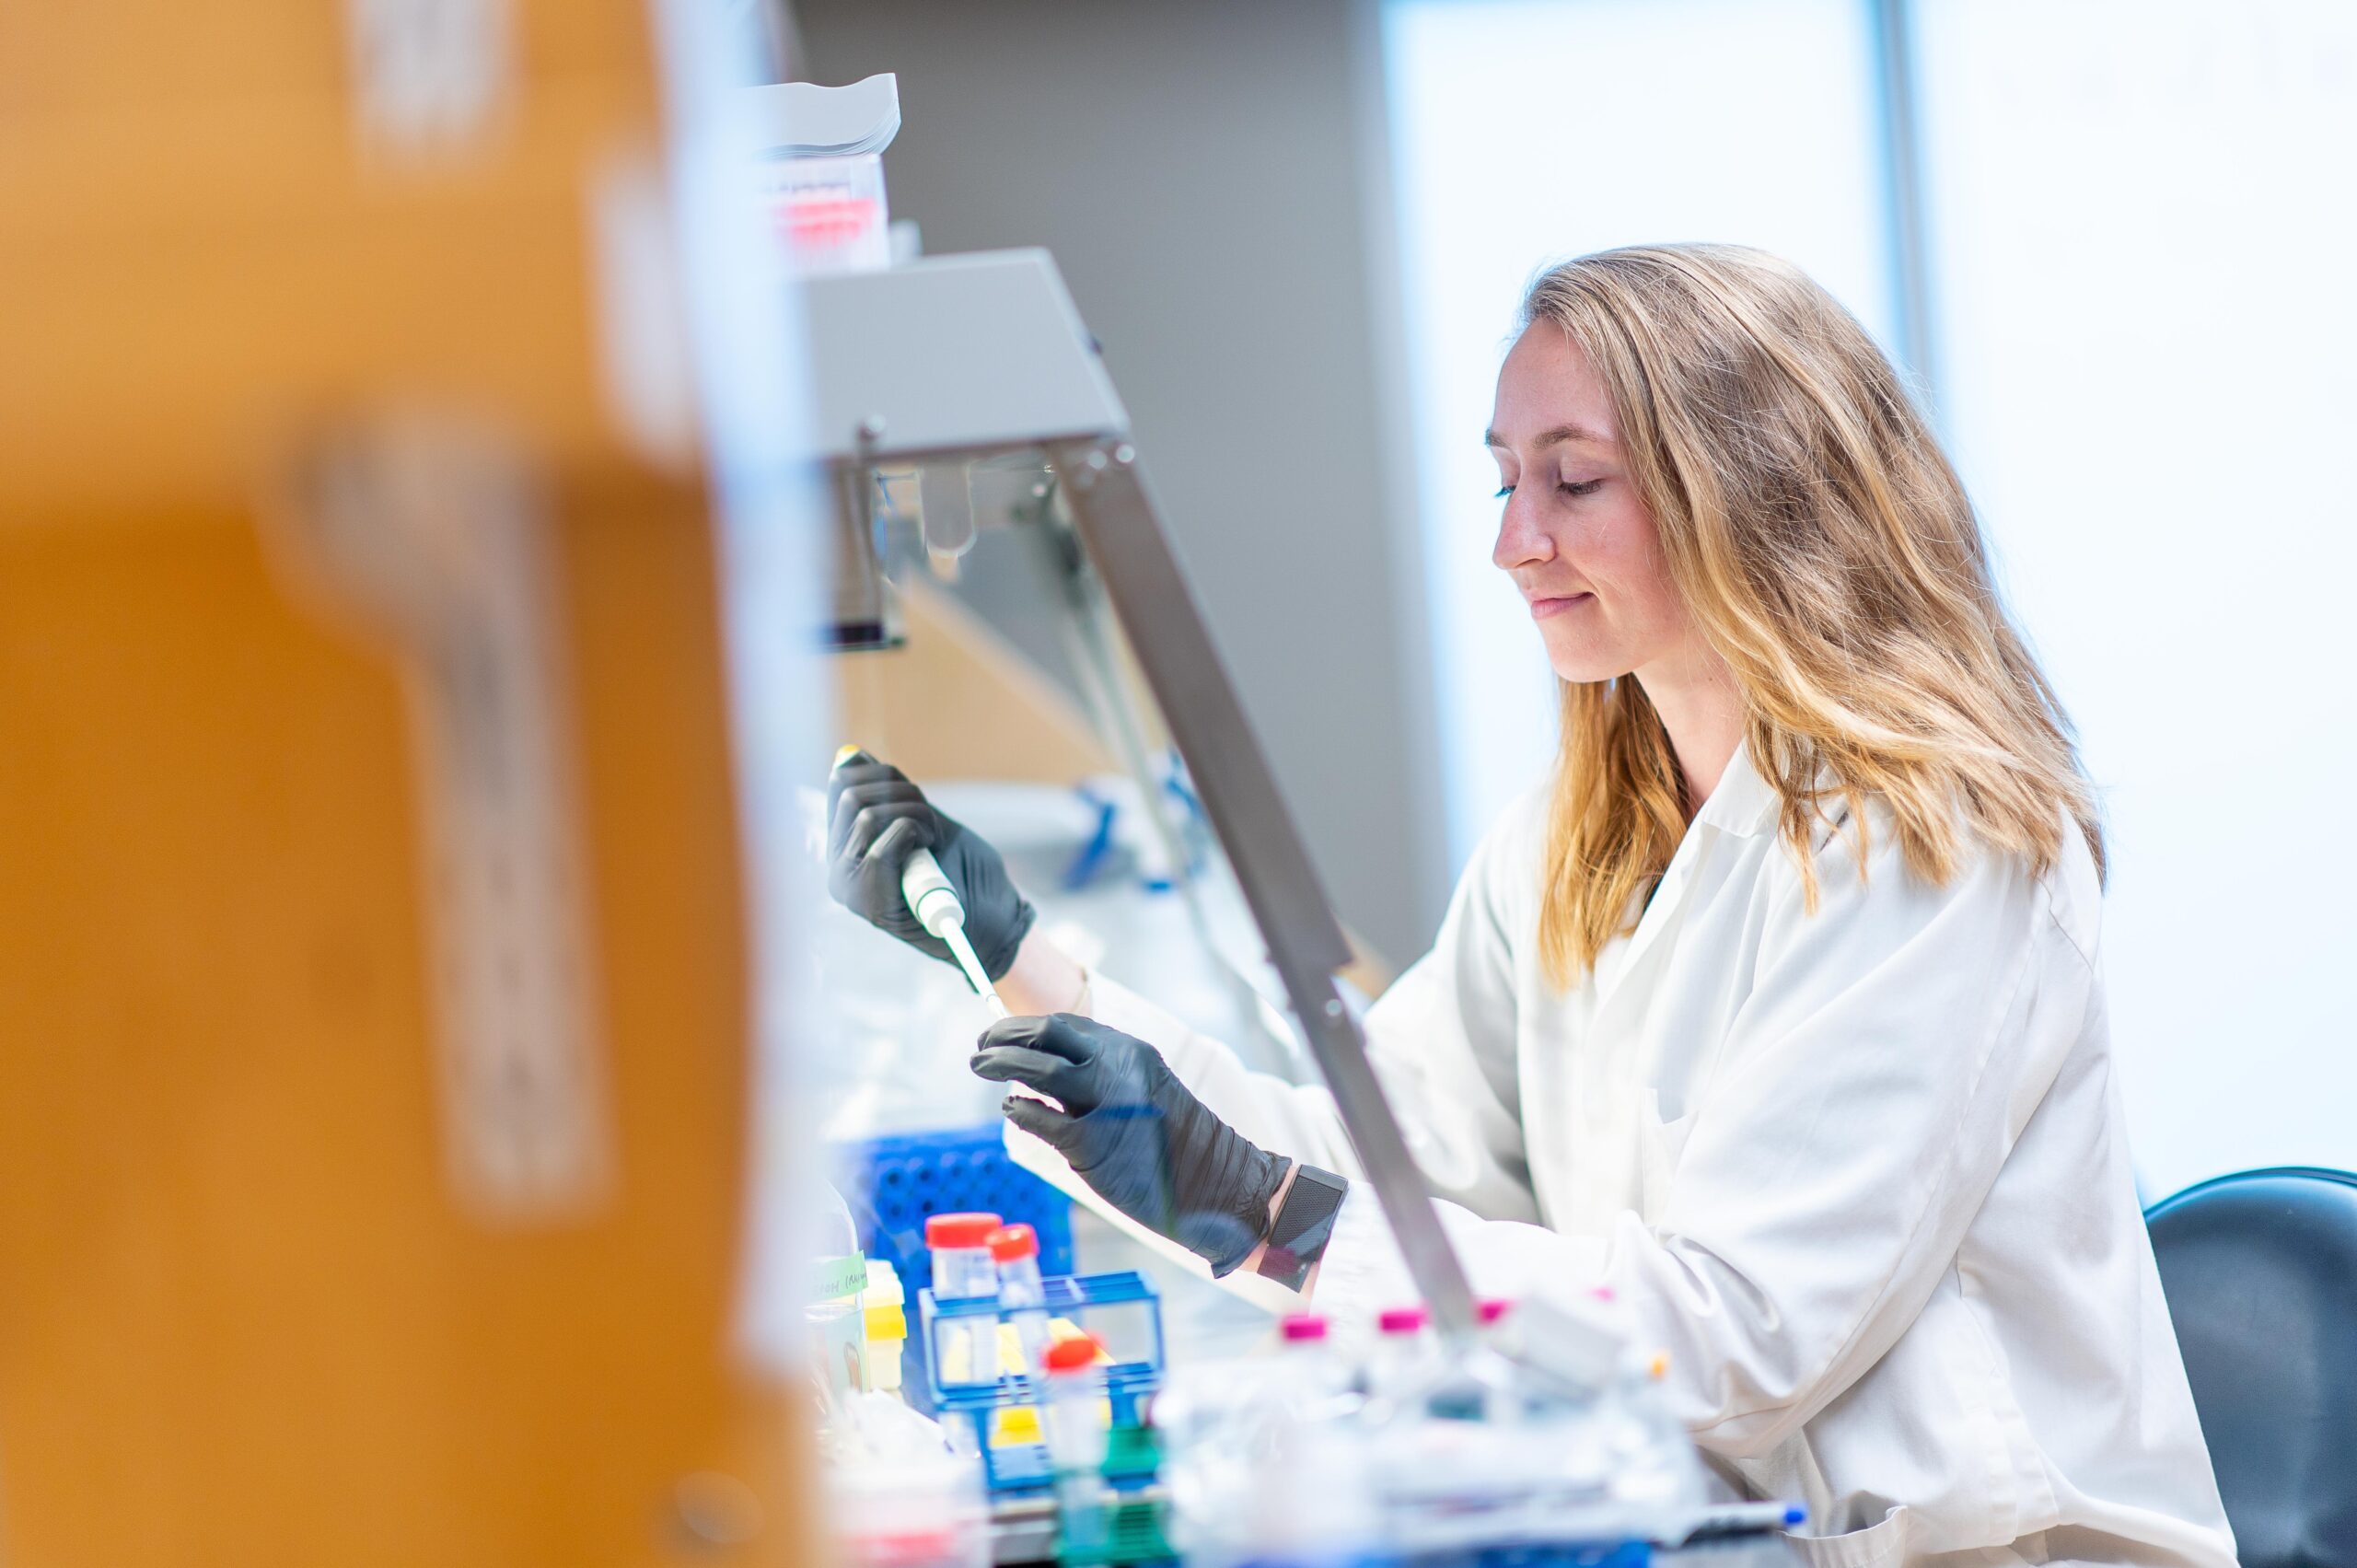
1828,555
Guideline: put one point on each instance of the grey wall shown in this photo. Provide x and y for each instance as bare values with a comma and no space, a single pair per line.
1209,174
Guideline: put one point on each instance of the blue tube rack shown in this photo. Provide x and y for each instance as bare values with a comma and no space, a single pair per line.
894,1184
1095,1303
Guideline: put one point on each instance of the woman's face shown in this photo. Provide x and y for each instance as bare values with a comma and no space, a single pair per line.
1574,537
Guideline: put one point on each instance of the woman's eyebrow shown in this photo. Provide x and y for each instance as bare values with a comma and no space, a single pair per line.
1561,433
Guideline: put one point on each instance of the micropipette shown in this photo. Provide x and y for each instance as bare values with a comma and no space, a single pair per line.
935,902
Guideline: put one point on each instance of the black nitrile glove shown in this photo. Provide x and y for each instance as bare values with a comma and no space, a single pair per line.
876,821
1136,1133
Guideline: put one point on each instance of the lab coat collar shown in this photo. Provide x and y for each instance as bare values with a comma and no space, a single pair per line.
1744,803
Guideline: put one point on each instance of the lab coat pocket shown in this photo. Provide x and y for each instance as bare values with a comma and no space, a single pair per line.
1881,1545
1659,1144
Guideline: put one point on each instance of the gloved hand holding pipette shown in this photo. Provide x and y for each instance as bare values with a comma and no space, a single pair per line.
1120,1116
878,822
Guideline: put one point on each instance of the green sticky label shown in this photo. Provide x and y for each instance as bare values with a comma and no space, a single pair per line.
840,1277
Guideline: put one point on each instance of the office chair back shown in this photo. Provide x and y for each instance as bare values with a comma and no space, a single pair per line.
2261,1271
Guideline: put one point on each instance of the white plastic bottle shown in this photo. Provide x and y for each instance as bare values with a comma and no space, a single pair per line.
836,1323
1656,1476
1311,1503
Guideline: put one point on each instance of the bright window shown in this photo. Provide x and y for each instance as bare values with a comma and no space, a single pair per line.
2142,219
1529,132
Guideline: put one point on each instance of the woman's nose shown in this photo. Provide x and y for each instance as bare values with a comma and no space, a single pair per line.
1521,542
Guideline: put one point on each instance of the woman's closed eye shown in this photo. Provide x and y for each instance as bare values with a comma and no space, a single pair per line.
1567,487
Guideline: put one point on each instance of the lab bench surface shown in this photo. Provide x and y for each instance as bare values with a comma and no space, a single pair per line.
1023,1530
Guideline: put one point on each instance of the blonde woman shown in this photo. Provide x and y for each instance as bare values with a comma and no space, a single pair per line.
1778,1010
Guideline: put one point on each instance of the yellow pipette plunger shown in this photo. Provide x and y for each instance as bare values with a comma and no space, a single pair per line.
934,903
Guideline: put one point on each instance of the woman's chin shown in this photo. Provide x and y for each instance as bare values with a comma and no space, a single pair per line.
1584,667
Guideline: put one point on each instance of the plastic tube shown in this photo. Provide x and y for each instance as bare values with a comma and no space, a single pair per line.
1076,1444
963,1271
1022,1297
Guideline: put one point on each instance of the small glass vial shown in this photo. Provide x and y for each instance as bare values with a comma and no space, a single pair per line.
1317,1386
1401,1351
1022,1297
965,1348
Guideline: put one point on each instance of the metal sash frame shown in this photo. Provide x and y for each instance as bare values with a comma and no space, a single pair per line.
1114,514
956,358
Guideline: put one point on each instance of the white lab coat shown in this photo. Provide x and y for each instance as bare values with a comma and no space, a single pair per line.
1861,1173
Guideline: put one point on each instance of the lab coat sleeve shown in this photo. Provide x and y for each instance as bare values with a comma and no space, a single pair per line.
1442,1039
1893,1047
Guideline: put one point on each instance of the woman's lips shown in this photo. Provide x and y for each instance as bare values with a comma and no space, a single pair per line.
1540,609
